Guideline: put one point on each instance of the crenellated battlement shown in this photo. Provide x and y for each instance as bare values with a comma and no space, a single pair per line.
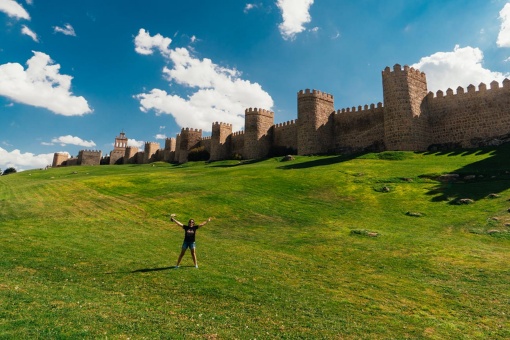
207,138
183,130
360,108
286,124
91,151
397,69
315,94
152,144
222,124
257,111
238,133
471,90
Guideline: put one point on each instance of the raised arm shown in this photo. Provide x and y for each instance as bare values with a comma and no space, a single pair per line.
175,221
205,222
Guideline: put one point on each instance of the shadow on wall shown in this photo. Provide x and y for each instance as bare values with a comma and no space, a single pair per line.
474,181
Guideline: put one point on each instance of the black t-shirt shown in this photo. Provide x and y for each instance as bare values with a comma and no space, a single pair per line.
189,233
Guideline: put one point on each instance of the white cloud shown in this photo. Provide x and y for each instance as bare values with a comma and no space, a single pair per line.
41,85
13,9
29,2
504,33
160,136
22,161
315,29
249,7
136,143
145,44
295,14
27,31
67,30
461,67
221,94
65,140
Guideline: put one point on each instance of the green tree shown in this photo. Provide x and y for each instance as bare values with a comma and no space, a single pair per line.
10,170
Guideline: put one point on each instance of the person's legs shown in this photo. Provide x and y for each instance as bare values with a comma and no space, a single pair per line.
194,256
180,256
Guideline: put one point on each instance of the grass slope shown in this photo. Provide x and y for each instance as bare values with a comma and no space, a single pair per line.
87,252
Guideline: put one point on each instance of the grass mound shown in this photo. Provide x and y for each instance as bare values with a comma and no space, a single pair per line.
88,252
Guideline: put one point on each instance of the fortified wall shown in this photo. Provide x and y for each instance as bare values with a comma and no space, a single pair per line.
411,119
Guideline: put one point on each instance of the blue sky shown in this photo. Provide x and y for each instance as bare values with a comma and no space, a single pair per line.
73,74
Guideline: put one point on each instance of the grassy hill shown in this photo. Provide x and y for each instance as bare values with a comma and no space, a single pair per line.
374,246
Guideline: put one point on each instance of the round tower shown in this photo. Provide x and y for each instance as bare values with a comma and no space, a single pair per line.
187,140
404,126
220,141
315,131
257,133
59,158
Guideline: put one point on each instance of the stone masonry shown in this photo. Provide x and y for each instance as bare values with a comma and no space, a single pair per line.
411,119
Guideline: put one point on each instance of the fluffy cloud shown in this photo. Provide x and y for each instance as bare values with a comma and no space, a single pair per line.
136,143
41,85
27,31
22,161
461,67
65,140
160,136
504,33
13,9
145,44
295,14
221,94
67,30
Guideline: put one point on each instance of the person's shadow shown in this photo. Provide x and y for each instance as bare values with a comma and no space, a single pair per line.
148,270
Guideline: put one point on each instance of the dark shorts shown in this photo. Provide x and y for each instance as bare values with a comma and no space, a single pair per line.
186,245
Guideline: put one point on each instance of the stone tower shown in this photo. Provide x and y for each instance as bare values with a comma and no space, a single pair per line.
89,157
119,148
130,155
257,133
150,151
169,152
59,158
404,91
315,129
220,141
187,140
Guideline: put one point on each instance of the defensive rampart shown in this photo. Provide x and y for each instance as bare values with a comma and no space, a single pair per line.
411,118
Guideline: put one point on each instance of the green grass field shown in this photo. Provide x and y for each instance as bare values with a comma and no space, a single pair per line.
331,247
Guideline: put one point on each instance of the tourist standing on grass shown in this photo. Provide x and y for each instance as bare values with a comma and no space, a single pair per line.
190,231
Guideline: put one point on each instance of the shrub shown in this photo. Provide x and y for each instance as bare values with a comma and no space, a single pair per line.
10,170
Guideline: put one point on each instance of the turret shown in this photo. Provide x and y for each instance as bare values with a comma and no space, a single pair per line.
404,91
151,148
187,140
314,125
220,141
59,158
257,135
